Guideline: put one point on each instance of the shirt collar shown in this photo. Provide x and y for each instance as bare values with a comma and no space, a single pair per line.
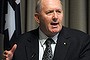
43,37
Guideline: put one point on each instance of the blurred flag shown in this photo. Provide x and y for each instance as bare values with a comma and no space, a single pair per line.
2,16
12,22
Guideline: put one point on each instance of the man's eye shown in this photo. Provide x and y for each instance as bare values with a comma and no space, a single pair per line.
58,11
49,12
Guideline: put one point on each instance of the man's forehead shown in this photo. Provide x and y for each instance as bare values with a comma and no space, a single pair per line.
46,1
50,2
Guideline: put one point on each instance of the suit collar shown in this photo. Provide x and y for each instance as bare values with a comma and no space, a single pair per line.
65,32
63,44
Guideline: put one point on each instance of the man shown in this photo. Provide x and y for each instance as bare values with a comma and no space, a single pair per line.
69,44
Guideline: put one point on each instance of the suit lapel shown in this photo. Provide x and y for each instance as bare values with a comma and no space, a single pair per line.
62,46
32,47
32,50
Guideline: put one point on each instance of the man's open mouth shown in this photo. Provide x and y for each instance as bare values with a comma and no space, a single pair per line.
54,23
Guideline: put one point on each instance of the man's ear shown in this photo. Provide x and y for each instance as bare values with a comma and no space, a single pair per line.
36,16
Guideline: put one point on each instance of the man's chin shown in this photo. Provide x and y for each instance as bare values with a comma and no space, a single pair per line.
55,30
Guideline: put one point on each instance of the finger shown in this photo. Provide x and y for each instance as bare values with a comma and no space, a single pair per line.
4,56
13,48
5,52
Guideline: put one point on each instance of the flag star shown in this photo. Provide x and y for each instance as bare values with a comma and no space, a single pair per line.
10,21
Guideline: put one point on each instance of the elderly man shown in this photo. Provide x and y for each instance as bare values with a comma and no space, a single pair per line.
63,43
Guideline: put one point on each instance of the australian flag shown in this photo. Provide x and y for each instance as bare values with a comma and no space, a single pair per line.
12,22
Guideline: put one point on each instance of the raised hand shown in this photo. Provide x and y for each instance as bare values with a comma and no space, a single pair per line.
8,55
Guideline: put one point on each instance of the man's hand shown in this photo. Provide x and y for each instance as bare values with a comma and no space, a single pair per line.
8,55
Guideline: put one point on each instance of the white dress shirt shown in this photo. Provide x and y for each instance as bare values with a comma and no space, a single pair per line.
42,46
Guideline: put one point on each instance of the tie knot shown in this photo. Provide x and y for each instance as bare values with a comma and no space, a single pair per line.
49,41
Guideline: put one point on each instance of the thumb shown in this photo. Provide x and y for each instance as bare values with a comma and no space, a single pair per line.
13,48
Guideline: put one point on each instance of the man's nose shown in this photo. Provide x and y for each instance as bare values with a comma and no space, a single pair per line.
55,16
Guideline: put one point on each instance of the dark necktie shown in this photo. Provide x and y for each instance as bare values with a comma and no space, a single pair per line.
48,51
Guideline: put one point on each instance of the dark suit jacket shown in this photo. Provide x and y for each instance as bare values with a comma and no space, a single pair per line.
71,45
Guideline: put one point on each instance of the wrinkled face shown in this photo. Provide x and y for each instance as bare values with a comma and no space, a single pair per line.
51,16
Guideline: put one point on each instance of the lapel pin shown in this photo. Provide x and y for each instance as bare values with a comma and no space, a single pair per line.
64,43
